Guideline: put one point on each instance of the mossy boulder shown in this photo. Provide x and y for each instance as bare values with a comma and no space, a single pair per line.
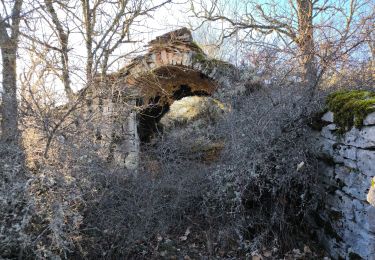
193,112
350,107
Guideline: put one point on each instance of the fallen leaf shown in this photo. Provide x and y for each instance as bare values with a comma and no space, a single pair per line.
256,256
267,253
187,232
307,249
300,165
183,238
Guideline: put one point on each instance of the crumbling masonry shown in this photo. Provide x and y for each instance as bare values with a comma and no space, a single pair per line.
129,103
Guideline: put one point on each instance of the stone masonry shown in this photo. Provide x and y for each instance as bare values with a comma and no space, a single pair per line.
348,220
174,67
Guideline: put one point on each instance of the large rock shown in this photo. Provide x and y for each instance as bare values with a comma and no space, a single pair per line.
366,162
190,121
370,119
362,138
328,117
193,111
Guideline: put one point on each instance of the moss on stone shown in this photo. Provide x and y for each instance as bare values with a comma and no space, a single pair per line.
208,63
216,63
195,46
350,107
199,57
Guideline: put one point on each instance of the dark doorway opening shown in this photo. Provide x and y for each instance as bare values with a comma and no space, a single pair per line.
149,118
185,91
148,122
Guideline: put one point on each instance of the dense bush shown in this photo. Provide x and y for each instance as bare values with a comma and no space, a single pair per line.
15,211
255,193
258,193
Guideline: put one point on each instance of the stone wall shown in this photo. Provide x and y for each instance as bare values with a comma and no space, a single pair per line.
347,222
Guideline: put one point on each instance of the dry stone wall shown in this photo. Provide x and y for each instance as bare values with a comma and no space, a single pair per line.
347,223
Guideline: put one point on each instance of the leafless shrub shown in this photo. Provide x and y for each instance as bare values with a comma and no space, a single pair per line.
259,192
14,213
256,192
267,160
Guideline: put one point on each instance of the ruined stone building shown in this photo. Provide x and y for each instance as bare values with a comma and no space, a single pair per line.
132,101
175,81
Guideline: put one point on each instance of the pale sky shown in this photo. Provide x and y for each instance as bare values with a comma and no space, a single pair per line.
165,19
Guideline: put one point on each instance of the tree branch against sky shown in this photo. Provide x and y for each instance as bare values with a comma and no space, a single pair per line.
82,40
90,36
63,39
317,32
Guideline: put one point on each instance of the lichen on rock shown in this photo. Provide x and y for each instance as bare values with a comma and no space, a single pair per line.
350,107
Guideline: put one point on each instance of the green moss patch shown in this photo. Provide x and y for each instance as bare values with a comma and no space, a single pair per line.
195,46
350,107
209,63
199,57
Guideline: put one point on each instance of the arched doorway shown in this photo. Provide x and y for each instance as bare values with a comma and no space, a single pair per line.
160,89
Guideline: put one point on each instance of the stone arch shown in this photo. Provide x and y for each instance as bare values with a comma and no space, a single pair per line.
175,49
160,89
173,67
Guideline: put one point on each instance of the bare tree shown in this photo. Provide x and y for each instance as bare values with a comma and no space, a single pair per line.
9,36
304,24
100,28
103,36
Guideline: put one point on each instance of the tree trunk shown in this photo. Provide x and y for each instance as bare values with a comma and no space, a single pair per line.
9,124
88,24
305,43
372,48
63,40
